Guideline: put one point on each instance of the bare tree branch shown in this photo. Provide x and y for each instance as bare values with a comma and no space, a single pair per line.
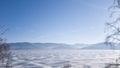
5,54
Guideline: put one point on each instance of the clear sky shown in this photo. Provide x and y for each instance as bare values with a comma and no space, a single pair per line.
57,21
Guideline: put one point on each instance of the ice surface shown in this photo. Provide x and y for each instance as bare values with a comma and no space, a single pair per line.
60,58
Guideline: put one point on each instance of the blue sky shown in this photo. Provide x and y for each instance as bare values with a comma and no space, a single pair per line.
57,21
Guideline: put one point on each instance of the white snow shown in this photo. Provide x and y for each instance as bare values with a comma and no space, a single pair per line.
59,58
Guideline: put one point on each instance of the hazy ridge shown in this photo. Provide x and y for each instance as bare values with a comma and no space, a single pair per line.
27,45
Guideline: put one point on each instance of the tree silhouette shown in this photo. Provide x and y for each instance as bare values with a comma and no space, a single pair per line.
113,31
113,25
5,54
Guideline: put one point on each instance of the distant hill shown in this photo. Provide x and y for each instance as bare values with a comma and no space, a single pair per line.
102,46
26,45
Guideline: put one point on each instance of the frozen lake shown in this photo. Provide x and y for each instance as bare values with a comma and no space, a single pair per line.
59,58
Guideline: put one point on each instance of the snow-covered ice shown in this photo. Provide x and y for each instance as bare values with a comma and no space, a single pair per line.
59,58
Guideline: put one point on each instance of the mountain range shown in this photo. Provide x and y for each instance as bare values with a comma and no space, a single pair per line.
27,45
